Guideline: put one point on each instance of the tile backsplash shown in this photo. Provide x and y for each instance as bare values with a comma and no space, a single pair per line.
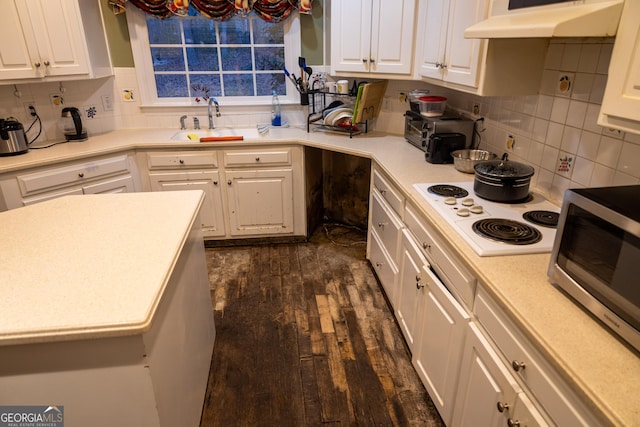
555,131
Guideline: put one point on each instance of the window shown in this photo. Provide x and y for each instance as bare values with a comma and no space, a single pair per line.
186,60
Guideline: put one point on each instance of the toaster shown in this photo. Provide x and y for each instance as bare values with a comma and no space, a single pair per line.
440,145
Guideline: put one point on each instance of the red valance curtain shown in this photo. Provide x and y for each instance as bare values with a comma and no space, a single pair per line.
219,10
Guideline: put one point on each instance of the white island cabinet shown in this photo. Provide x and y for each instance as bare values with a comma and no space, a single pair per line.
106,310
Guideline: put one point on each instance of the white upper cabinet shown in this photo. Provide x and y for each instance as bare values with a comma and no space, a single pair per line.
46,40
442,51
484,67
372,36
621,102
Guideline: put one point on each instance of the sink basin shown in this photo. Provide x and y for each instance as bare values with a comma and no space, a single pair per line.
246,133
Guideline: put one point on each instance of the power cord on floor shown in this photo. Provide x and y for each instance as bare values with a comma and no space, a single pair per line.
330,227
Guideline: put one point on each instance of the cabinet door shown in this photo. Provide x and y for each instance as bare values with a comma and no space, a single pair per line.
484,383
621,102
392,36
350,35
16,55
211,213
442,323
462,59
260,202
432,37
412,269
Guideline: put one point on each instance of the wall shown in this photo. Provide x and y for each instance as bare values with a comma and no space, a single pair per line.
555,131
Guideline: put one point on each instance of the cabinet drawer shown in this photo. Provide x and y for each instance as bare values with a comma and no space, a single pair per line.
458,279
39,181
389,193
385,268
257,157
524,362
386,224
183,160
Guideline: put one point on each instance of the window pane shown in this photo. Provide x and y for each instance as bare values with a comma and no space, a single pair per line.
236,58
199,31
202,59
234,31
238,84
167,59
267,83
205,85
165,31
171,85
269,58
267,33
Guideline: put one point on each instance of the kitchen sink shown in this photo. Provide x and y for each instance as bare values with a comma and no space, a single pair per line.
246,133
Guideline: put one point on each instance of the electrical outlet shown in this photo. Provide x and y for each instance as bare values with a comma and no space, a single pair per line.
30,109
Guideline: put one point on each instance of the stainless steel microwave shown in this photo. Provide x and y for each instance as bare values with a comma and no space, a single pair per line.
596,255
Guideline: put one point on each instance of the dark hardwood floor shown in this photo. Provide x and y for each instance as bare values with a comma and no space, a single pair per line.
304,337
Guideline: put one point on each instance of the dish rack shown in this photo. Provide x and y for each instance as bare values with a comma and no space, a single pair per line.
317,104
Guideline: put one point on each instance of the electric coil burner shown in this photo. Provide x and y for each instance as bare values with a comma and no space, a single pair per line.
543,218
508,231
492,228
448,191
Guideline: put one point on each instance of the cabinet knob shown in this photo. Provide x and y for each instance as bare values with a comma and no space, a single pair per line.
181,161
517,365
372,60
37,64
81,175
215,182
378,264
229,182
382,224
419,284
257,159
502,406
364,60
443,66
383,192
47,63
426,246
513,423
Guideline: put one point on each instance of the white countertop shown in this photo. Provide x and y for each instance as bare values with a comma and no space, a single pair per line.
89,266
597,366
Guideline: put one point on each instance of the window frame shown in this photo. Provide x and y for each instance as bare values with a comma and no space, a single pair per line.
136,21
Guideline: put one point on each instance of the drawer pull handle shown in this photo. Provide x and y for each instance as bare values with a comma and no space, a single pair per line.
513,423
81,175
502,406
419,284
426,246
382,224
518,365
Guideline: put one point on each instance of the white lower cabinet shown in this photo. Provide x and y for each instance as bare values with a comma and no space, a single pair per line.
413,273
211,213
487,394
116,174
249,192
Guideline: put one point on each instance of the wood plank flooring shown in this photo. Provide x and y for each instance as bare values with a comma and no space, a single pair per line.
304,337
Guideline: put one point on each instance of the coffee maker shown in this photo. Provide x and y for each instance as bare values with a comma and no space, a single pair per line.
71,124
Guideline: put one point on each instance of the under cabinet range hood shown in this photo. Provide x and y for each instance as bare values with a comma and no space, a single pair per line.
583,18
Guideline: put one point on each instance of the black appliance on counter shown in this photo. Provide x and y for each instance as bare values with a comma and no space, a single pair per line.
440,146
13,139
418,128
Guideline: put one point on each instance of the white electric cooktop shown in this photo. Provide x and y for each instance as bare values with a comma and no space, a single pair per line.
523,236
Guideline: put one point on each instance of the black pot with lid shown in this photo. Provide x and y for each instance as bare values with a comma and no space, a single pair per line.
502,180
13,139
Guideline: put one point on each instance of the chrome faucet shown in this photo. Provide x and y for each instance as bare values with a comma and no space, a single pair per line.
182,125
196,123
212,101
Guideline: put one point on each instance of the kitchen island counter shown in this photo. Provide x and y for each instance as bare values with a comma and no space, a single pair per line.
105,304
597,366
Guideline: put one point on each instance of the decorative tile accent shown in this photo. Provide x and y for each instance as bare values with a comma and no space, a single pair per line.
90,111
128,95
57,101
565,83
565,164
